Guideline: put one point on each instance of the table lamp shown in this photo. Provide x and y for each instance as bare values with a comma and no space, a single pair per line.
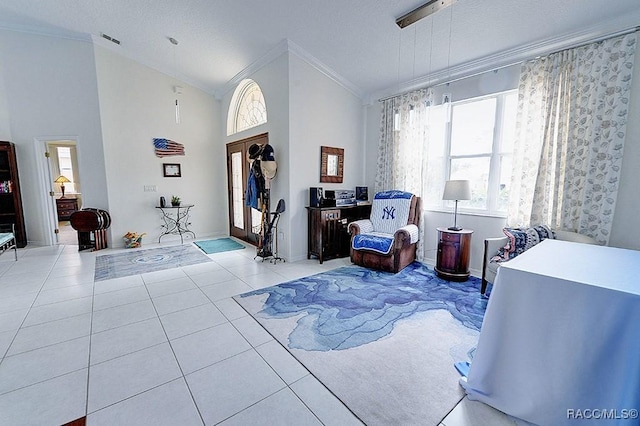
456,190
62,180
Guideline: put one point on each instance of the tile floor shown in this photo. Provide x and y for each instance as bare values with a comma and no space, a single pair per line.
168,347
67,235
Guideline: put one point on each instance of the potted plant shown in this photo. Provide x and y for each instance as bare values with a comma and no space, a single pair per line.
175,200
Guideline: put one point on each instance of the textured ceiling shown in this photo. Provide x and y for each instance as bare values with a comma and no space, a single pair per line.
357,40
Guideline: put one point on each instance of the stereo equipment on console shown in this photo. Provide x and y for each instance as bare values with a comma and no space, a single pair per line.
329,199
362,193
315,197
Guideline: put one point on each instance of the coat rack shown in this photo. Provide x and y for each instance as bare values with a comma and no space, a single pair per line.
258,195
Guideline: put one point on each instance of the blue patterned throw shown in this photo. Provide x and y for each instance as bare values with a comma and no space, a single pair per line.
378,243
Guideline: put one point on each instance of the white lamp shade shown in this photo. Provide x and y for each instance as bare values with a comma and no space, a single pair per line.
457,190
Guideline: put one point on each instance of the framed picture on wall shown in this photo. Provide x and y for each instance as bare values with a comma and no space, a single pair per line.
331,164
171,169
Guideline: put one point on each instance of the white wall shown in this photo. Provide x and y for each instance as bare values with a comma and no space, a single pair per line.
5,125
273,79
50,91
306,110
373,115
55,88
137,104
322,113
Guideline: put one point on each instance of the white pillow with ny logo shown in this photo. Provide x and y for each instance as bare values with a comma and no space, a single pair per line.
390,211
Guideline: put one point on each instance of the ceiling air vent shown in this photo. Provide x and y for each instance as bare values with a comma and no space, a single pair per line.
111,39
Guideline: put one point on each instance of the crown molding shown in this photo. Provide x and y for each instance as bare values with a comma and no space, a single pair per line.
255,66
45,32
324,69
512,56
285,46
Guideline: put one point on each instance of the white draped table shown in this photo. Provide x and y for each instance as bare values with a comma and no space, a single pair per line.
560,342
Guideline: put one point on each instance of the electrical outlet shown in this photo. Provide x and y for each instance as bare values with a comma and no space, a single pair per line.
150,188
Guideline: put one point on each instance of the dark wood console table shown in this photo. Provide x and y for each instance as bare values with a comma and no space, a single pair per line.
176,221
65,207
327,234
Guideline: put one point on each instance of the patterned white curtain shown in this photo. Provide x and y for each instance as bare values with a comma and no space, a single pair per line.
402,150
571,127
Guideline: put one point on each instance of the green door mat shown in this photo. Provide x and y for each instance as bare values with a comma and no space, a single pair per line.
218,245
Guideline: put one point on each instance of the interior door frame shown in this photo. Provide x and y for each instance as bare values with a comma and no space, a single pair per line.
242,145
47,201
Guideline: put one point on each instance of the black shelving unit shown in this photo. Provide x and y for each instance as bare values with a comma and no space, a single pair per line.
10,198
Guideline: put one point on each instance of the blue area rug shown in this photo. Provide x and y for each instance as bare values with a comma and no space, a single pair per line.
137,261
218,245
384,343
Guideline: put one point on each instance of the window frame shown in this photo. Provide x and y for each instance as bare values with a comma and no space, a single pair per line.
65,163
245,88
495,157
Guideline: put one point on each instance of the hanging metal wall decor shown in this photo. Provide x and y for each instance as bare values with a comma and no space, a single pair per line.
167,147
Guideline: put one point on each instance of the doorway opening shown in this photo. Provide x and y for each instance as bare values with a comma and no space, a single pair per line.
60,181
63,159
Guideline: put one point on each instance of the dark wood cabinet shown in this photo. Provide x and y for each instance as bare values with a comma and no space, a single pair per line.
328,234
65,207
10,198
454,248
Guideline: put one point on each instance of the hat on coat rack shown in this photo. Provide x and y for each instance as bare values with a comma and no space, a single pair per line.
268,162
267,153
254,151
269,169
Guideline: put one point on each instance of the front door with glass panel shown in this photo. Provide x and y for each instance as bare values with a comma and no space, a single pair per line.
244,222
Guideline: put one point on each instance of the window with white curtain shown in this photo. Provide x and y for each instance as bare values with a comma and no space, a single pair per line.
473,139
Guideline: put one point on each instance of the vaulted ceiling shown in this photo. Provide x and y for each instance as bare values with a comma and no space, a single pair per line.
356,41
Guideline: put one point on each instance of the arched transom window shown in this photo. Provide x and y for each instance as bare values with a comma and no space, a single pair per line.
247,108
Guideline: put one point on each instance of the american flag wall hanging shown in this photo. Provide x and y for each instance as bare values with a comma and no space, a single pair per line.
167,148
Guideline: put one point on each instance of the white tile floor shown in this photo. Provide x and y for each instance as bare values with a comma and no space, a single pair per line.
168,347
